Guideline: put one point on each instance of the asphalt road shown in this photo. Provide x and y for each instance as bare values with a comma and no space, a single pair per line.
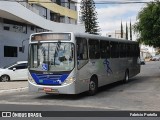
141,93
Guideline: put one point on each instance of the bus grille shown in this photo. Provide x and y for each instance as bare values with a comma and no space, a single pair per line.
49,79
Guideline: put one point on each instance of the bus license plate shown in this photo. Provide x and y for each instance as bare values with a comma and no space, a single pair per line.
47,89
50,90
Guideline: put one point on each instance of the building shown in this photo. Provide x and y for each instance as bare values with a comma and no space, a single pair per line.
20,18
147,51
116,34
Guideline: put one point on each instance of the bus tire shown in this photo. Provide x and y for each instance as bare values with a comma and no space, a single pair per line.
126,77
93,86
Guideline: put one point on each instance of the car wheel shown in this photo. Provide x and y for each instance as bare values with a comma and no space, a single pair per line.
126,78
93,86
5,78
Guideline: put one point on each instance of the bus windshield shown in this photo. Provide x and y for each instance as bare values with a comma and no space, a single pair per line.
55,56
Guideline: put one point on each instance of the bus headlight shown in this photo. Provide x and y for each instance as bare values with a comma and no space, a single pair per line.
30,78
69,80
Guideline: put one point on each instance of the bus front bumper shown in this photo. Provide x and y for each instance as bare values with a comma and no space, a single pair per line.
63,89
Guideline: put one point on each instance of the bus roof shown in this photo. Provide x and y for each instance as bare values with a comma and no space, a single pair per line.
92,36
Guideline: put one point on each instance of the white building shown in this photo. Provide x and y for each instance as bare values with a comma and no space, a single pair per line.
116,34
147,51
19,19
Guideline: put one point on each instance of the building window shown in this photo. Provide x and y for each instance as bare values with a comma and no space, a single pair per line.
38,29
58,2
10,51
69,4
32,28
14,26
55,17
6,28
20,49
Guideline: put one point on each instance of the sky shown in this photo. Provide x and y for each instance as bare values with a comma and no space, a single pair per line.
111,15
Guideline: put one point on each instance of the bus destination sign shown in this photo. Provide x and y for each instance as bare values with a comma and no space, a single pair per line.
51,36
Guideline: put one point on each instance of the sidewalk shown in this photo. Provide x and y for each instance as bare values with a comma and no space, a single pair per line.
13,86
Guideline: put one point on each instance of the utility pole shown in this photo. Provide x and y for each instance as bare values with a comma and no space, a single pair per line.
126,31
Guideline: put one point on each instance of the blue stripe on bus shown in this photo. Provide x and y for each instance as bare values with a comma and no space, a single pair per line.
49,79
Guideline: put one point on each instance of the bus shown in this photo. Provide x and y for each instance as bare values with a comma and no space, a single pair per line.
72,63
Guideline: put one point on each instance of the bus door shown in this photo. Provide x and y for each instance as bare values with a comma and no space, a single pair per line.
82,60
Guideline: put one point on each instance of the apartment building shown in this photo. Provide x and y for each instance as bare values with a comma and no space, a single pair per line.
20,18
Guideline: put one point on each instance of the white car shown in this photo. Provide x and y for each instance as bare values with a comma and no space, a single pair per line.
156,58
16,71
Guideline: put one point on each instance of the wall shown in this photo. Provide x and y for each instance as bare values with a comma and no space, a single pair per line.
7,39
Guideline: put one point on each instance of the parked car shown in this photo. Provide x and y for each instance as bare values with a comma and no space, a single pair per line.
15,71
156,58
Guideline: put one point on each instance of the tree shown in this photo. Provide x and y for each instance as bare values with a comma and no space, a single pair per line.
148,25
126,31
89,16
130,30
121,30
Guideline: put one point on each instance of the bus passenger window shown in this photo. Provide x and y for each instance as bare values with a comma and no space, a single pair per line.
94,50
114,49
122,50
82,53
105,49
128,50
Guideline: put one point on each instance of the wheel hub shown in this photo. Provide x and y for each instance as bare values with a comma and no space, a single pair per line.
92,85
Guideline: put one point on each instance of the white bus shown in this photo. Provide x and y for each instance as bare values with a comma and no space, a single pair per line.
72,63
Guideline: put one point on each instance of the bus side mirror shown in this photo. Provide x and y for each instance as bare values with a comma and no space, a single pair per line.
14,69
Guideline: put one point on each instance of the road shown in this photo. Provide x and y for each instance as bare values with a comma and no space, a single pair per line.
141,93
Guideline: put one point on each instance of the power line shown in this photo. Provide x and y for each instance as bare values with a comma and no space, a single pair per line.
120,2
100,2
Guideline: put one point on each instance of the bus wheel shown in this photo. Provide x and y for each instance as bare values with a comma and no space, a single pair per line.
126,78
93,86
5,78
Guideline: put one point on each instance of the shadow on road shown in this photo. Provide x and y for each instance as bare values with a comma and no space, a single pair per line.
19,81
83,95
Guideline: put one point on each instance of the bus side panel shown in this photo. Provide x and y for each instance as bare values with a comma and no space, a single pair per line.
122,65
104,72
93,67
82,78
118,67
134,67
108,73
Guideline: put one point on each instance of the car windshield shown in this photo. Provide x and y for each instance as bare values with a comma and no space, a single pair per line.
55,56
